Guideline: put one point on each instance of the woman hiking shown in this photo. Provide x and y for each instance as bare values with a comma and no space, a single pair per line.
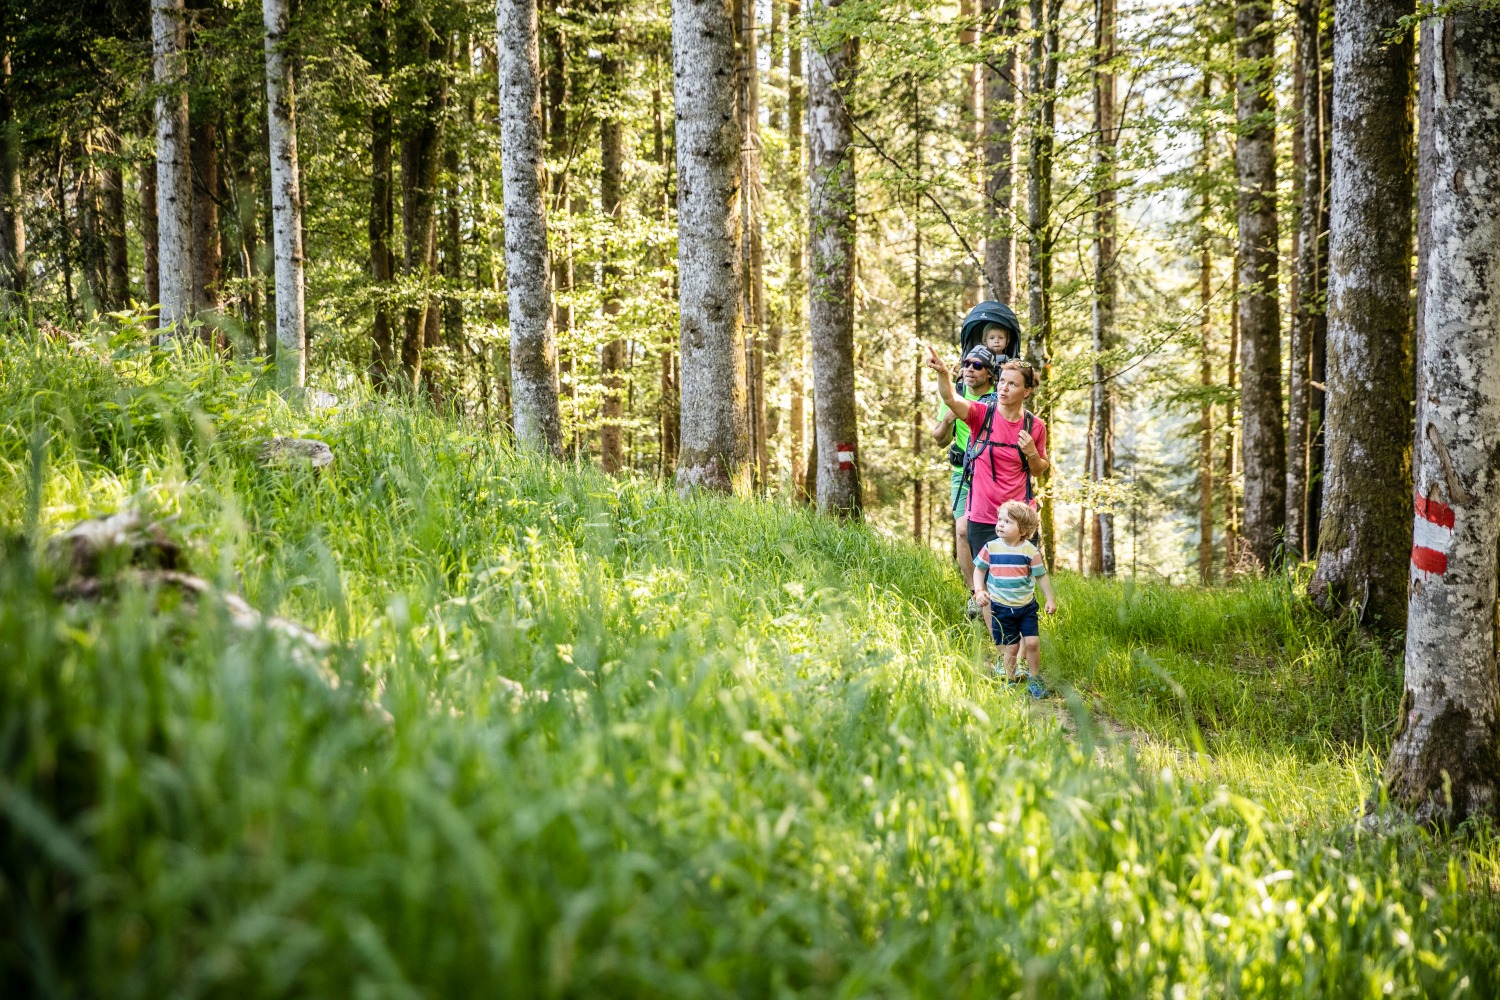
1007,446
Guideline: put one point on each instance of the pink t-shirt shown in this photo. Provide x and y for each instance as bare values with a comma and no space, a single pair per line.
998,476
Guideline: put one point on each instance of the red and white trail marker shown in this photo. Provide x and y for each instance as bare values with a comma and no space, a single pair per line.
846,456
1432,534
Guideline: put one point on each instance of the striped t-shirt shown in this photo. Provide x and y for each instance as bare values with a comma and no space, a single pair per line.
1010,571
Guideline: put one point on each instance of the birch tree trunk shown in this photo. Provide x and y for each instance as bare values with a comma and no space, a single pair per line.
1442,765
712,447
286,202
1366,527
1104,264
1262,440
831,189
173,181
999,152
533,357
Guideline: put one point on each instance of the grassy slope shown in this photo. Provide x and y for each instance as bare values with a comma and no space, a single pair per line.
753,755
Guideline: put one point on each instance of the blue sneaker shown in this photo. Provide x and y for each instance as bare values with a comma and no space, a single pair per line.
1037,689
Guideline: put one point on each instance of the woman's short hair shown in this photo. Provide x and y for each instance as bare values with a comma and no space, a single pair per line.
1028,373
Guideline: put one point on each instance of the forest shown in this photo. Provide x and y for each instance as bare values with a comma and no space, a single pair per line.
476,507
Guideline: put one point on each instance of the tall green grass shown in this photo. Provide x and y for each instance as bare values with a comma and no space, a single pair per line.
592,739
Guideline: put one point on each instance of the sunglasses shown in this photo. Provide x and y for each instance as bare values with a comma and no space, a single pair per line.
978,366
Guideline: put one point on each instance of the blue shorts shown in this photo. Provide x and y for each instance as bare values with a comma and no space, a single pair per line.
1008,624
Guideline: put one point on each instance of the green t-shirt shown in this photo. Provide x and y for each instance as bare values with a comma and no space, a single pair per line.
961,429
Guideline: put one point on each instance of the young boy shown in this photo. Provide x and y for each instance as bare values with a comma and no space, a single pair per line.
1006,573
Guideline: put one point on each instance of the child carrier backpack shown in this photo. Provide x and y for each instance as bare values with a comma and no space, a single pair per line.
980,442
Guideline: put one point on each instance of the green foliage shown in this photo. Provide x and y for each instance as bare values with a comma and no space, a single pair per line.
626,744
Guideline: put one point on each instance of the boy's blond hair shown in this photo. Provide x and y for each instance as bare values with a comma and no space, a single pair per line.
1026,519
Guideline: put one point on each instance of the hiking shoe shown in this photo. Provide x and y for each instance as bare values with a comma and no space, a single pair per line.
1037,689
973,609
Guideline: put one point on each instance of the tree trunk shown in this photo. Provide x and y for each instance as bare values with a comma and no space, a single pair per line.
709,259
1309,298
751,203
112,224
796,279
558,146
286,202
611,169
1262,443
1105,281
421,157
1231,431
13,277
917,402
999,129
382,202
1205,357
1442,765
173,176
1317,320
208,262
1043,75
150,273
1366,530
533,360
831,188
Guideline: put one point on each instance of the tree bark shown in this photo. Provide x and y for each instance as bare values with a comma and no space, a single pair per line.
1231,431
112,223
1365,545
558,144
1309,301
1105,281
208,263
173,176
382,202
751,202
1442,765
13,276
1262,441
1205,356
1043,76
421,156
831,200
999,129
713,442
150,273
796,279
533,358
286,200
611,168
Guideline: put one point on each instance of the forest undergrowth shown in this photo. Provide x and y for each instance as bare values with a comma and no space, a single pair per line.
575,736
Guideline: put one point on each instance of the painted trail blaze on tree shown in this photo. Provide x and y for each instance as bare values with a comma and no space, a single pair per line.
1443,763
1432,535
846,456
